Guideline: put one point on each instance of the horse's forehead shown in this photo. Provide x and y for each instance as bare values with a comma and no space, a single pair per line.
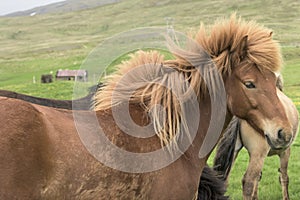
266,73
248,70
253,68
271,74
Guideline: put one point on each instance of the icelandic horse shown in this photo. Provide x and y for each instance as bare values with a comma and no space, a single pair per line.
210,187
240,134
43,155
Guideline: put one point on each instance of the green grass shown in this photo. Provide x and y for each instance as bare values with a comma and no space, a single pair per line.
56,90
31,46
34,45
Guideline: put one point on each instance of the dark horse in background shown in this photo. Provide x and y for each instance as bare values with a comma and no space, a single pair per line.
42,156
83,103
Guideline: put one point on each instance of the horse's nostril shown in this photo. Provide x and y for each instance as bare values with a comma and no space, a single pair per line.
280,134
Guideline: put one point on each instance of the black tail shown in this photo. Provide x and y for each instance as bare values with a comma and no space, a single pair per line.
83,103
225,151
211,187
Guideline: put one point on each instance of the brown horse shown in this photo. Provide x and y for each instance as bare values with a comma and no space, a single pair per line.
239,134
42,156
210,186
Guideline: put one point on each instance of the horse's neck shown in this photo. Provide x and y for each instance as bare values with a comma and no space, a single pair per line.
189,165
205,120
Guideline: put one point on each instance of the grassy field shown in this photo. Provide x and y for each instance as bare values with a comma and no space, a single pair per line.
31,46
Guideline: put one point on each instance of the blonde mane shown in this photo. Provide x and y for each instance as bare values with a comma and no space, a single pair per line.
225,37
170,83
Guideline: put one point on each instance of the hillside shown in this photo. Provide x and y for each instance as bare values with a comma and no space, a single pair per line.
34,45
63,7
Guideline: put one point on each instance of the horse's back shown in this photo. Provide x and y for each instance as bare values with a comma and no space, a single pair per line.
23,150
36,144
42,157
41,154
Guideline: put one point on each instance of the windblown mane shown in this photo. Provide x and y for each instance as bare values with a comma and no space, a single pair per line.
222,44
170,83
151,82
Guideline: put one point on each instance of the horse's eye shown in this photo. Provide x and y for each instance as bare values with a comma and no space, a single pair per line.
249,84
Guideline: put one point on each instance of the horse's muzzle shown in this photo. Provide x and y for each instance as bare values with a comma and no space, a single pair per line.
281,140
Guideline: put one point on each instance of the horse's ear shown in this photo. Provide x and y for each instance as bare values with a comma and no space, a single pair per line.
279,82
271,33
242,49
